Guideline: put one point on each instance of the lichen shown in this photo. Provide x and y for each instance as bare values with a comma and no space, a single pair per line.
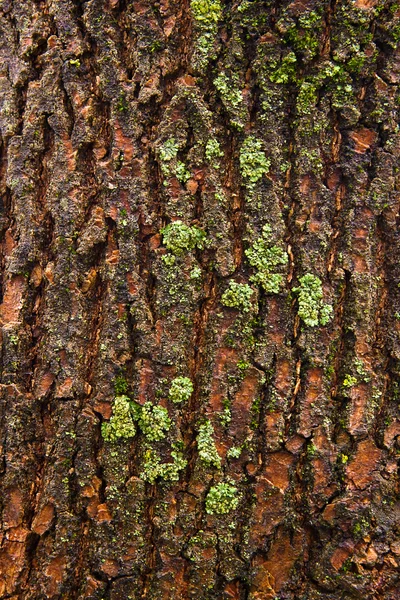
266,260
213,151
169,164
238,295
153,421
121,425
181,389
312,309
206,14
222,499
205,443
253,162
153,468
180,238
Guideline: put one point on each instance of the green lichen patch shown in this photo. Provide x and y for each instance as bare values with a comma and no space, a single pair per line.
153,421
238,295
253,162
222,499
205,443
267,259
349,381
170,165
180,238
312,309
206,14
121,425
230,91
181,389
286,71
213,151
153,468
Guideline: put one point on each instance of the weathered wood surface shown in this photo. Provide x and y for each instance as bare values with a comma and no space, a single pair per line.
268,133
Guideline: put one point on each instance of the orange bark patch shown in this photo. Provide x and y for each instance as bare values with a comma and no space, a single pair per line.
13,511
103,514
44,384
110,567
359,400
361,467
43,519
366,3
12,300
123,143
12,558
277,471
282,556
341,555
55,572
363,139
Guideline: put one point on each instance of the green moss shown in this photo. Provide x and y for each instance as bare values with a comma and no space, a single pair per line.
222,499
238,295
121,425
205,443
181,389
253,162
180,238
312,309
266,260
153,421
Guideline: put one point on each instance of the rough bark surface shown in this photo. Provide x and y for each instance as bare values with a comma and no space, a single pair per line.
199,213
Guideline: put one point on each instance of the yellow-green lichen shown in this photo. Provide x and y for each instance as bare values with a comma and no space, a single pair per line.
181,389
121,425
153,421
267,259
238,295
253,162
180,238
312,309
222,499
153,468
205,443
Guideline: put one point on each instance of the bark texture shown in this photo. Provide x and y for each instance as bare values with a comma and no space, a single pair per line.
200,310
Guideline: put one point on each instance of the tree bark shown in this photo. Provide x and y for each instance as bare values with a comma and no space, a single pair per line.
200,310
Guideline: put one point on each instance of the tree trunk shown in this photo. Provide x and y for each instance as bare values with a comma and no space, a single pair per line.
200,309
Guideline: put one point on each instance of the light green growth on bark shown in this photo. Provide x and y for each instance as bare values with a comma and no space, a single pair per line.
230,94
312,309
154,469
120,385
121,425
266,260
213,150
181,172
286,72
169,150
206,14
205,443
153,421
180,238
234,452
221,499
238,295
253,162
181,389
169,165
349,381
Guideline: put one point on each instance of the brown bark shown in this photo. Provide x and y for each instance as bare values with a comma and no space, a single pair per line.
266,133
